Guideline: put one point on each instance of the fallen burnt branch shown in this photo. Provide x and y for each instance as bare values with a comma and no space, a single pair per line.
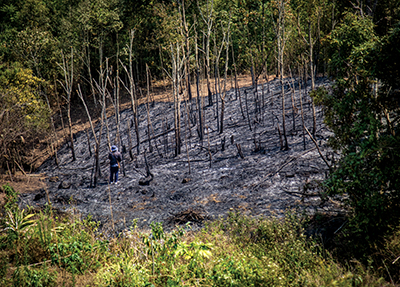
284,165
302,194
154,137
239,149
190,215
316,145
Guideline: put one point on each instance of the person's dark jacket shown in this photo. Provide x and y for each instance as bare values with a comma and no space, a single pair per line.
114,158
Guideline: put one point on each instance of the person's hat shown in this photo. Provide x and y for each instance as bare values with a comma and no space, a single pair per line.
114,148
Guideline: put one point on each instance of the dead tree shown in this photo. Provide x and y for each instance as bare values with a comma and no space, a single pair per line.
247,110
310,42
280,31
97,171
301,109
176,76
101,87
216,79
132,89
187,126
68,70
128,126
148,108
208,20
86,60
237,88
53,128
199,98
185,33
223,94
209,148
294,109
117,101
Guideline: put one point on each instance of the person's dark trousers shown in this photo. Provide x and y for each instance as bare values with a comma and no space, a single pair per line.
113,173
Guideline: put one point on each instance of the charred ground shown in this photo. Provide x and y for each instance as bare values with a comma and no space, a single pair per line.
260,181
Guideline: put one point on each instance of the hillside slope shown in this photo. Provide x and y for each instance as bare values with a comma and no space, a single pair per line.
267,180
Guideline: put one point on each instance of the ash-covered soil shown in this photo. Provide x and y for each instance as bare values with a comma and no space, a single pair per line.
266,181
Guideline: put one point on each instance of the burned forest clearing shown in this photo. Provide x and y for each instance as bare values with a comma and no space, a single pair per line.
243,169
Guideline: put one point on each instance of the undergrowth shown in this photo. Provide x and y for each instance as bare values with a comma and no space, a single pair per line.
41,249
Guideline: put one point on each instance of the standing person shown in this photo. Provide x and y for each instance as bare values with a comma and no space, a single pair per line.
115,158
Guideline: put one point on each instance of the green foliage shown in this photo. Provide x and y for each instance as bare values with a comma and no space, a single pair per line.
75,247
17,224
19,89
37,50
33,277
23,114
362,112
351,44
11,197
236,251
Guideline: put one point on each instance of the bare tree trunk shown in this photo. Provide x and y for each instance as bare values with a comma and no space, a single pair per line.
281,47
117,114
132,90
223,95
165,128
71,135
302,111
88,142
54,148
101,86
128,124
208,20
310,43
61,115
87,61
216,81
209,149
312,74
237,88
187,126
210,101
148,108
117,102
247,110
97,172
219,92
294,109
201,129
69,81
176,77
187,62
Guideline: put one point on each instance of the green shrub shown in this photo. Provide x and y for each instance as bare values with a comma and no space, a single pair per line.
34,277
11,197
236,251
76,247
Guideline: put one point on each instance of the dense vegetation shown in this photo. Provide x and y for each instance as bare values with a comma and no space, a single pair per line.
55,55
43,249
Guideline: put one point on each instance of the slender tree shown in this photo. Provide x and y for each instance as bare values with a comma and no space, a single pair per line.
223,94
68,71
199,98
97,170
208,20
312,23
131,88
281,40
177,64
